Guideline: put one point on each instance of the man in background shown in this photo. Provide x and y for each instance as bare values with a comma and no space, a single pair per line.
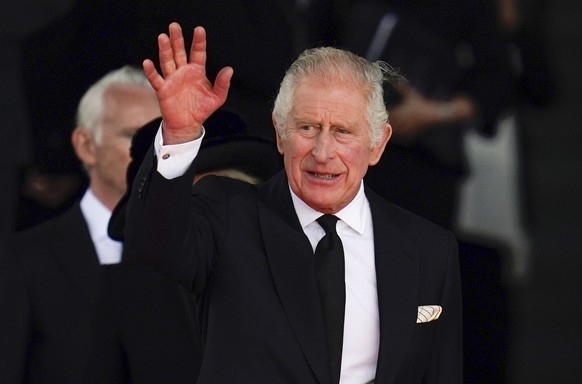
49,277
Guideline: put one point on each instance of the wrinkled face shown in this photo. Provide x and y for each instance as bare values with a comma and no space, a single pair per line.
327,147
126,109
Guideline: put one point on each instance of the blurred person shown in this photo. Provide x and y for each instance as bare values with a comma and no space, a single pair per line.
459,78
249,254
146,328
49,277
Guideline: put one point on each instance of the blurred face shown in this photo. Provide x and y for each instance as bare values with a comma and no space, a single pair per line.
126,109
327,147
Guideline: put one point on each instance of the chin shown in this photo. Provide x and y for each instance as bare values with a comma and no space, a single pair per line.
321,206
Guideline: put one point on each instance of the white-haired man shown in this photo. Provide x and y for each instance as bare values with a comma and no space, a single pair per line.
49,277
380,304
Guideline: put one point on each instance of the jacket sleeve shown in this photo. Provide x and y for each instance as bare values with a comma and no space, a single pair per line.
170,229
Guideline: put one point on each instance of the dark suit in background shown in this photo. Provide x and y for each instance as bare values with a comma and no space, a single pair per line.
49,281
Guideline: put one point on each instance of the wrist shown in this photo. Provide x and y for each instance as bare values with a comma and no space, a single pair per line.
181,136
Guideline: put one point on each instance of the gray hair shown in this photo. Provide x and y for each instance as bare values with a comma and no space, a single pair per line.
90,109
336,65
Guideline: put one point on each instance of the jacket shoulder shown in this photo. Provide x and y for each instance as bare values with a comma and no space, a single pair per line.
36,239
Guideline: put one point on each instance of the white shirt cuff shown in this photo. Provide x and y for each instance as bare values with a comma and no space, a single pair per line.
174,160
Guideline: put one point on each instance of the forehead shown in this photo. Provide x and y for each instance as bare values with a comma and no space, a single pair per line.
129,105
322,99
117,94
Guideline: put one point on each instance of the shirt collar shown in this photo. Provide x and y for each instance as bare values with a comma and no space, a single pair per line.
354,214
96,215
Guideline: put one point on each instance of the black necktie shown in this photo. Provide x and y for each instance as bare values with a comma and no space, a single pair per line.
330,270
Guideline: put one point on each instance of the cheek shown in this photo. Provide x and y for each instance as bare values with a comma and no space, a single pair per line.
115,155
295,152
121,148
357,163
292,166
358,157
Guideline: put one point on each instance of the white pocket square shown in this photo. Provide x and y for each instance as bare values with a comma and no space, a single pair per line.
428,313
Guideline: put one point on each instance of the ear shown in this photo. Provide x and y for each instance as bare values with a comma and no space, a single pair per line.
377,152
84,146
279,138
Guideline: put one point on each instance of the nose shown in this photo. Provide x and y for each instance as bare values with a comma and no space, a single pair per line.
324,146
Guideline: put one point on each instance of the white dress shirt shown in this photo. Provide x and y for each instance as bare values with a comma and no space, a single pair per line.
97,217
355,229
361,325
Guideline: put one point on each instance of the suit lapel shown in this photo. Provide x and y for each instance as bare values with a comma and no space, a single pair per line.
74,250
291,260
397,281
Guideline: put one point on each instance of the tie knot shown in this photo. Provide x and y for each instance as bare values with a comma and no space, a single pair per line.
327,222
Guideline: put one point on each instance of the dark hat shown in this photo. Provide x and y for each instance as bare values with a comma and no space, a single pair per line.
226,145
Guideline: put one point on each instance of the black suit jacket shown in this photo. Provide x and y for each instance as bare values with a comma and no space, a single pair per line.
144,331
241,251
48,284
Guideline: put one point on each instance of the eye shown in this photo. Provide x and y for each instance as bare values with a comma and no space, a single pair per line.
130,132
343,131
307,130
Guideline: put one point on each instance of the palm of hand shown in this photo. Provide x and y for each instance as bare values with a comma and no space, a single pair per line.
187,98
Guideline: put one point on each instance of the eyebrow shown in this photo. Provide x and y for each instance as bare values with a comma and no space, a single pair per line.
299,120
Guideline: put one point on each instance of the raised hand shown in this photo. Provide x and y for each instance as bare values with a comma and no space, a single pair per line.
186,96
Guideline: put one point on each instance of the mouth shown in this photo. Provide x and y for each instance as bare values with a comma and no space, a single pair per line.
323,176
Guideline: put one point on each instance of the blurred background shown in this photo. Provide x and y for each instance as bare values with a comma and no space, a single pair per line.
520,200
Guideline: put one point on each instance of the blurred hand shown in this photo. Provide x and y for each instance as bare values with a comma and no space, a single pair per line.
417,113
412,115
